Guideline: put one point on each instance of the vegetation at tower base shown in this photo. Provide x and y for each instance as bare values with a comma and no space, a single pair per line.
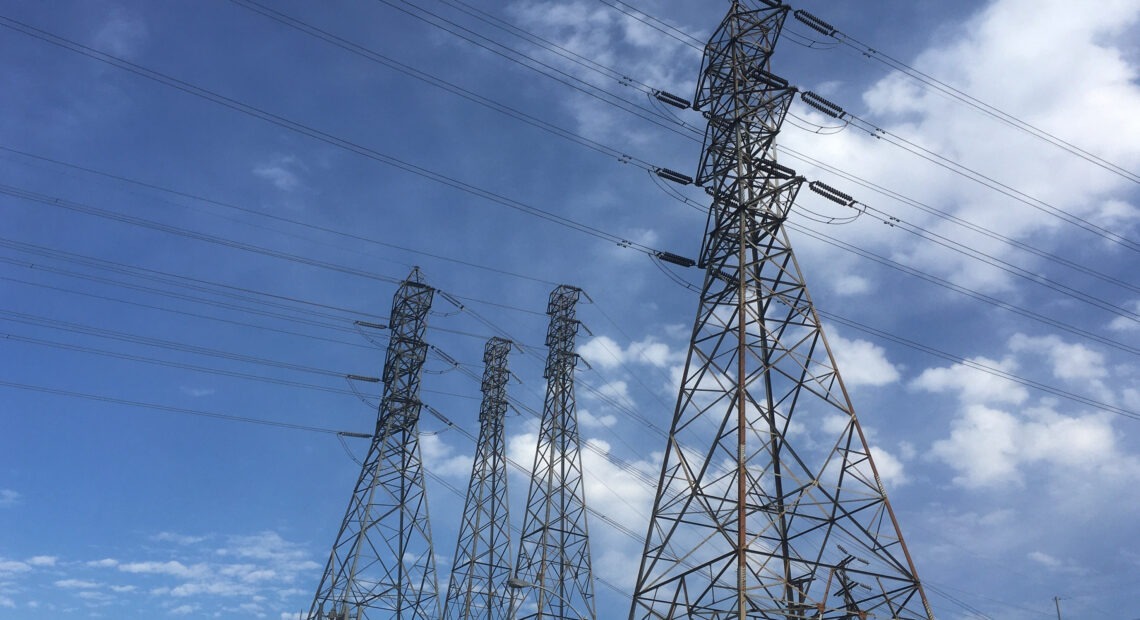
745,522
482,566
554,548
382,564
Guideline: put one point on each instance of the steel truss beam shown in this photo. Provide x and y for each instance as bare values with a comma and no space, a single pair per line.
382,565
554,550
769,505
482,567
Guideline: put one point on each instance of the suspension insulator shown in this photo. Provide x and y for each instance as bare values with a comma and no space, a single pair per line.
823,105
831,193
815,23
363,378
370,325
772,169
674,176
676,259
671,99
771,80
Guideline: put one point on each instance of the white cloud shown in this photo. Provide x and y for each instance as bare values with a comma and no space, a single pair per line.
282,171
860,362
121,34
76,584
851,285
172,568
991,448
604,353
440,457
43,560
8,497
972,384
1070,361
104,563
180,539
8,567
1126,324
589,420
890,468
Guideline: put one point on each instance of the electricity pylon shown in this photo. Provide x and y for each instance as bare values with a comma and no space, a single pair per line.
748,523
382,564
482,567
554,548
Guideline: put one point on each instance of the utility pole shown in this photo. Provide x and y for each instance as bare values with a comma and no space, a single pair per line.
382,564
1057,602
554,548
747,524
479,585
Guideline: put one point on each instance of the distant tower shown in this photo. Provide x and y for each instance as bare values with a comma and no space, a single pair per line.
554,550
382,565
479,578
769,505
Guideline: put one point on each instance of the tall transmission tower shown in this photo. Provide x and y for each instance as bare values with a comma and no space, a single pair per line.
382,564
746,523
479,578
554,550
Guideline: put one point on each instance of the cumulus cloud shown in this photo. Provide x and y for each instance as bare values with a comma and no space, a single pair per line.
989,447
861,362
973,384
604,353
442,457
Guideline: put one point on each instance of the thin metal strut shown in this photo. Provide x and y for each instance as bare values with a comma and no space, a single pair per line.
554,550
382,564
482,567
747,524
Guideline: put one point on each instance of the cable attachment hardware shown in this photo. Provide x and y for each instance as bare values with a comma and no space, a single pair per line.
771,80
831,193
671,99
823,105
815,23
676,259
774,170
370,325
674,176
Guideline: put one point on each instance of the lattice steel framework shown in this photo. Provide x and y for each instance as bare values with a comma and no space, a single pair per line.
554,549
478,587
746,523
382,564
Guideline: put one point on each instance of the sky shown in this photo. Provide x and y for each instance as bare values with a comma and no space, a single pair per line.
200,203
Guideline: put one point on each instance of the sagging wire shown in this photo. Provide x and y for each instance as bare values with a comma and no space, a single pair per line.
800,122
348,451
352,380
673,193
359,325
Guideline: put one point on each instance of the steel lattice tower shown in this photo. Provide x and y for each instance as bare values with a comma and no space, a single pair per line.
745,523
554,550
382,564
478,587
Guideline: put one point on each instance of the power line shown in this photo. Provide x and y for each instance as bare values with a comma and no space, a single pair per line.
306,130
172,409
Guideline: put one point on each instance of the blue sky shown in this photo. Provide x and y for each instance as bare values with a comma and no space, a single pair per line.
162,249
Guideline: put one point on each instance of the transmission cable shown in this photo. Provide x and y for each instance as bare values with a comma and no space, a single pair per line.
659,25
958,221
566,78
300,128
835,111
175,410
441,83
942,87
